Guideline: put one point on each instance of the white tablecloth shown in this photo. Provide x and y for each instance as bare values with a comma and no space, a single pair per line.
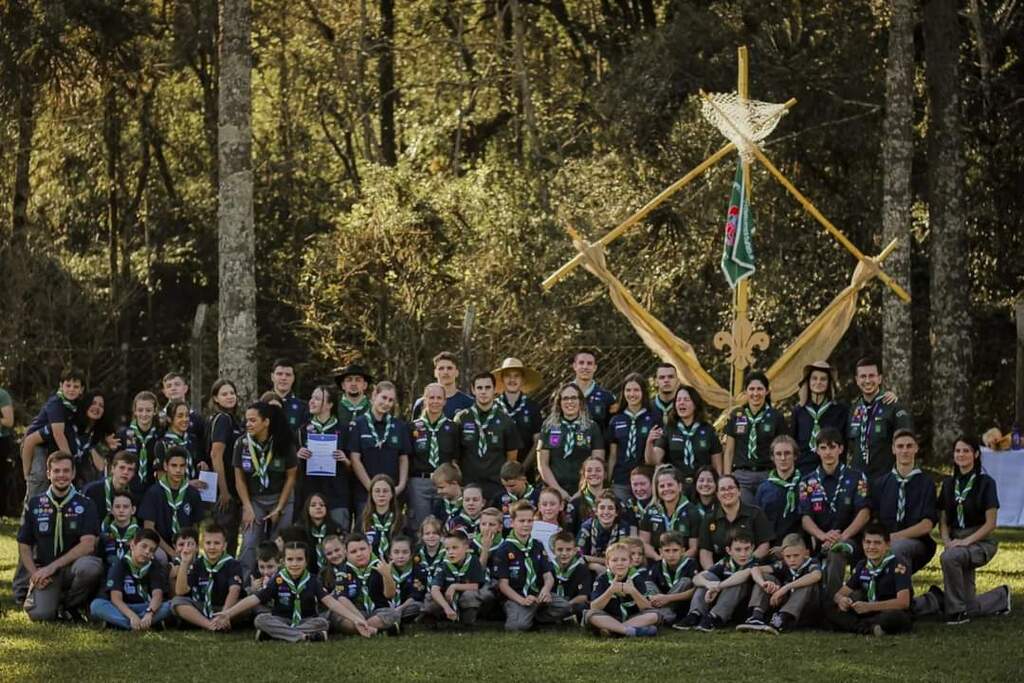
1007,468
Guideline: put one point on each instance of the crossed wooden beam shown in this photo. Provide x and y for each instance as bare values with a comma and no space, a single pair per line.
644,211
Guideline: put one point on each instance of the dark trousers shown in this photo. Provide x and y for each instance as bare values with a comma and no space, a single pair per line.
894,621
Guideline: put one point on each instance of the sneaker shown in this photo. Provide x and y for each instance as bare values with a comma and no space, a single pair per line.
77,616
260,636
958,618
394,630
709,624
754,623
877,631
690,621
646,631
780,623
1005,610
317,637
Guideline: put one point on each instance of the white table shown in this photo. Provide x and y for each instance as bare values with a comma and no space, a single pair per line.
1007,468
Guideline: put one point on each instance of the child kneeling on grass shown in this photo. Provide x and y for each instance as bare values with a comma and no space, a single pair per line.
876,598
722,587
790,588
293,595
618,603
135,588
455,586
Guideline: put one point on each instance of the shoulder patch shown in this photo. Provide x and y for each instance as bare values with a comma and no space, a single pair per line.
900,569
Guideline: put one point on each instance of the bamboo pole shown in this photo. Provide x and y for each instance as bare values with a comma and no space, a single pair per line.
742,302
646,209
809,207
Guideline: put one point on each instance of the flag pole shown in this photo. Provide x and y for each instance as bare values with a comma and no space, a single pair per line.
743,286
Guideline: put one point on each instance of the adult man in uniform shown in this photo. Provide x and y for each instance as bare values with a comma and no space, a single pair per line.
353,381
489,438
599,400
872,423
666,379
446,372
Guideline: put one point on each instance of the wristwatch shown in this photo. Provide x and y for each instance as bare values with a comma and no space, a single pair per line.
150,610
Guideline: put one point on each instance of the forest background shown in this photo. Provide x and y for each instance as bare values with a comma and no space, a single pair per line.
414,163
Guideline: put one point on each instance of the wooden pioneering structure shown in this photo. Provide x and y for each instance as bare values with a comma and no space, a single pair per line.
744,122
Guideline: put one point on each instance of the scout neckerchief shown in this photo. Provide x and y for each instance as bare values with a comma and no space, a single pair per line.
634,433
364,584
120,537
356,409
795,574
754,421
790,486
296,588
261,455
71,406
563,575
371,425
478,539
840,475
512,410
960,492
58,522
434,443
688,434
816,413
139,574
482,429
459,572
703,509
143,451
663,406
625,601
211,572
732,566
431,561
171,439
614,534
452,507
531,570
323,427
588,496
175,499
674,577
382,527
638,507
513,498
671,522
570,432
319,533
865,415
400,577
901,501
874,571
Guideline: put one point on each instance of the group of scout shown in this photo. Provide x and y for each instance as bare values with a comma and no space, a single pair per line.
619,514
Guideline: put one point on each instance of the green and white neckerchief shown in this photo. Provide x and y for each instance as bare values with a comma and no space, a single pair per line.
614,534
588,497
753,422
675,577
874,571
531,569
433,441
840,485
478,539
732,566
363,575
866,413
174,499
356,409
67,403
901,500
816,413
261,455
108,494
325,426
452,507
58,521
513,498
400,575
512,410
141,437
960,492
319,533
570,432
459,572
482,429
795,574
139,574
638,508
171,440
296,588
121,537
378,439
563,575
790,485
431,561
634,433
664,407
211,572
382,527
625,601
671,522
688,433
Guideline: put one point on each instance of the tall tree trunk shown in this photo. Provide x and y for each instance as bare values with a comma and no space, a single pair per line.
949,285
23,160
526,98
237,238
386,82
898,155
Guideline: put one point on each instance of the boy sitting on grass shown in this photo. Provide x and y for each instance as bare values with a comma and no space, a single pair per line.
134,596
209,583
724,586
789,588
618,603
574,580
368,584
673,577
455,587
410,579
118,530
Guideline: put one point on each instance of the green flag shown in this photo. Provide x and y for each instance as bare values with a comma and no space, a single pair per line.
738,254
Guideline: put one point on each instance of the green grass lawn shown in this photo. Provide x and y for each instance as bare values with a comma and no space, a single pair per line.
984,650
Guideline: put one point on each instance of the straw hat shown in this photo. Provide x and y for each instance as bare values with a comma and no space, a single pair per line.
823,366
531,378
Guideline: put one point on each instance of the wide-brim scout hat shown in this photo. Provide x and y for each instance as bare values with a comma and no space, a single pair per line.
823,366
351,369
531,378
